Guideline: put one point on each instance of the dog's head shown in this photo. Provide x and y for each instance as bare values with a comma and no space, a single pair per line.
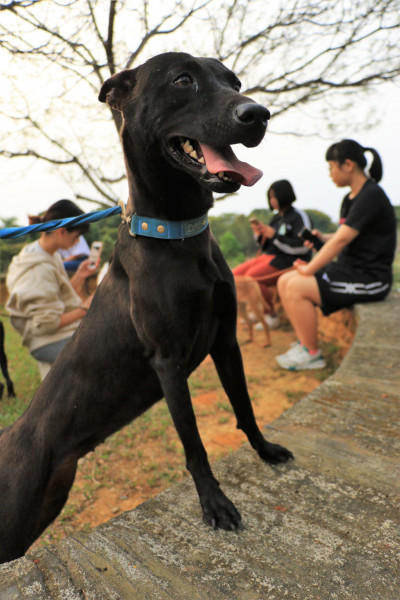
191,110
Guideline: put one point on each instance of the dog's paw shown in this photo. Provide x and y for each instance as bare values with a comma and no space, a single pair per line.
274,453
221,513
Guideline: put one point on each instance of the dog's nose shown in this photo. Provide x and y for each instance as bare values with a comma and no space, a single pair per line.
252,113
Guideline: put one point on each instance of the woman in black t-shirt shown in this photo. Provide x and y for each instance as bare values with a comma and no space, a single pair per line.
363,246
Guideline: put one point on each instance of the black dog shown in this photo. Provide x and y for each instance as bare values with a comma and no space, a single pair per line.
162,307
4,367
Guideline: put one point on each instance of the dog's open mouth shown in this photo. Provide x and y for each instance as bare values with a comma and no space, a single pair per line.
219,163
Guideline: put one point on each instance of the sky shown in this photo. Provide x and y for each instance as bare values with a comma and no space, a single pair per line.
28,187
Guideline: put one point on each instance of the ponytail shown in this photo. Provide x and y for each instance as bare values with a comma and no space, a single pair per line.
376,169
62,209
34,219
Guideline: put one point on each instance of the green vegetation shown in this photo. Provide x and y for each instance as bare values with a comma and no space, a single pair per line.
106,231
9,248
24,371
231,249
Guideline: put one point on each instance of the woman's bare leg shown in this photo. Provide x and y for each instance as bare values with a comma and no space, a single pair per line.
299,294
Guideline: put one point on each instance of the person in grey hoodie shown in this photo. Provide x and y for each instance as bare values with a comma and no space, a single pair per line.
44,304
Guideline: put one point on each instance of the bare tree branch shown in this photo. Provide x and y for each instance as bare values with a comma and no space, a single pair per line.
291,55
95,201
157,31
18,4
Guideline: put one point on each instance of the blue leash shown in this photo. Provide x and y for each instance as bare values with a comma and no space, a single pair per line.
16,232
138,225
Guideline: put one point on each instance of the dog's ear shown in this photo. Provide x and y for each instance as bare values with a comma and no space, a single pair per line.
114,90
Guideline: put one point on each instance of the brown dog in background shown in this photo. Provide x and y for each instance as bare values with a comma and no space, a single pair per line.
249,295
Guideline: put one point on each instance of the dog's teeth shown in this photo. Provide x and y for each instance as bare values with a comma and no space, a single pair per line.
188,149
221,174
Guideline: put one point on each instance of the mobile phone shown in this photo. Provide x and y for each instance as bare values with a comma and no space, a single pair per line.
95,251
306,234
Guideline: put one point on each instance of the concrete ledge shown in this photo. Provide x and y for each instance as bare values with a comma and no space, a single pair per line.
325,526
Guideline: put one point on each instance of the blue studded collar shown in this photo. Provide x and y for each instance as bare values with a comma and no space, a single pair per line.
166,230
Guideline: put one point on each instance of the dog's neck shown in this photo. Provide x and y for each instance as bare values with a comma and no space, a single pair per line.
162,192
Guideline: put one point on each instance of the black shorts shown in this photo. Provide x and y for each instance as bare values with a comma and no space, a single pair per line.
342,286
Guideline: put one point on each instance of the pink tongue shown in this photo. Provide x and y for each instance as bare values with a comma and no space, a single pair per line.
224,159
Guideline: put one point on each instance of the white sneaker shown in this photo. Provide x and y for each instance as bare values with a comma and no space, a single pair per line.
272,321
293,348
298,358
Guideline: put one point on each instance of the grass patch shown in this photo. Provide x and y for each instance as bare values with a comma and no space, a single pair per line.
23,372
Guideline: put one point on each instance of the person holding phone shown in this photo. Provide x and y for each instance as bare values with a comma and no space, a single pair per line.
44,304
72,257
355,263
279,242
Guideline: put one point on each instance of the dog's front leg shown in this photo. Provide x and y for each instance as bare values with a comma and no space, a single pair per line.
218,510
228,362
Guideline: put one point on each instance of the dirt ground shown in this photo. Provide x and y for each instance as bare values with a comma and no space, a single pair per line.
118,477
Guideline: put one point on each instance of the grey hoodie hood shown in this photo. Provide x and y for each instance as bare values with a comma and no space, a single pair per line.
31,255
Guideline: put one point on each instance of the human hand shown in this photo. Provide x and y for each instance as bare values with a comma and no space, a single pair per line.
86,268
268,231
265,230
302,267
87,302
312,239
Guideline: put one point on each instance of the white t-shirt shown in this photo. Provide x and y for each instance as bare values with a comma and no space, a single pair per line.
80,247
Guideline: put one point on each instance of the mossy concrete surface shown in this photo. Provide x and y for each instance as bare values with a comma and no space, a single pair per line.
325,526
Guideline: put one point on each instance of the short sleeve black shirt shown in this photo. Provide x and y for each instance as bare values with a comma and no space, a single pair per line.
372,215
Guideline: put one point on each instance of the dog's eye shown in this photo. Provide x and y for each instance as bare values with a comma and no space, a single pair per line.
183,80
237,86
